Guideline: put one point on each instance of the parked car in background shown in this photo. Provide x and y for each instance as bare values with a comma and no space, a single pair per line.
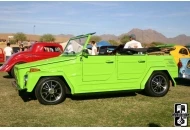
15,49
188,47
184,68
180,51
79,72
2,56
177,51
38,51
103,50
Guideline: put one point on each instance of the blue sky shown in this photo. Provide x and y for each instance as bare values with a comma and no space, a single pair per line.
169,18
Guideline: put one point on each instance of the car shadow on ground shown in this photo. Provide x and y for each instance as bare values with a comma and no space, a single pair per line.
182,82
7,77
153,125
26,97
102,95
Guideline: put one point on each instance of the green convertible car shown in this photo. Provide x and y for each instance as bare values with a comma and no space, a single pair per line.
75,71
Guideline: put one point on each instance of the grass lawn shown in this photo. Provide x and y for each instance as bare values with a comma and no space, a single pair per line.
118,109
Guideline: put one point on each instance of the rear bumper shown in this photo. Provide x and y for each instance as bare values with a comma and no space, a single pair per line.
184,76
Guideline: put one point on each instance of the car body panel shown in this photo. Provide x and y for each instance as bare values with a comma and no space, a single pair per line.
85,73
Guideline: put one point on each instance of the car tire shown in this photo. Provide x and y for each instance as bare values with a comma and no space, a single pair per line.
50,91
11,73
157,85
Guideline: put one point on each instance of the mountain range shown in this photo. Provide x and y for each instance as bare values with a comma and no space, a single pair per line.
144,36
149,36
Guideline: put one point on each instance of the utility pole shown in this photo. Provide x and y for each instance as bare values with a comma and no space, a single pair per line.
34,29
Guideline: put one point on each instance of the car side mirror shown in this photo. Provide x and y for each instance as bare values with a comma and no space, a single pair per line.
85,53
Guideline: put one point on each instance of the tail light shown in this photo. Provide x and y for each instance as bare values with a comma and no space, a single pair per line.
179,64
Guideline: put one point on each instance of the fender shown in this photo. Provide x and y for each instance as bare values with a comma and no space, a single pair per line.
8,67
150,71
34,77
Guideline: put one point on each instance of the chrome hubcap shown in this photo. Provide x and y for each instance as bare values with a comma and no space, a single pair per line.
51,91
159,84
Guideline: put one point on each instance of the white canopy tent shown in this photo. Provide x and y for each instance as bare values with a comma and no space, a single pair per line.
76,46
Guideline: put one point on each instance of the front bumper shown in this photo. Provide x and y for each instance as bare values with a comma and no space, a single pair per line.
15,85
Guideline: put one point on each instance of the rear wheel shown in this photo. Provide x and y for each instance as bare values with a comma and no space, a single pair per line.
50,91
158,84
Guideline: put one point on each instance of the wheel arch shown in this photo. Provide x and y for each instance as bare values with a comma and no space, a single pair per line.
11,69
68,89
152,70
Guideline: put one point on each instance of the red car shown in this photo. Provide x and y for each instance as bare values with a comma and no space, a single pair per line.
2,55
38,51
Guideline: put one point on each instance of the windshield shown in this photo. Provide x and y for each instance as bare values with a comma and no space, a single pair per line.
75,45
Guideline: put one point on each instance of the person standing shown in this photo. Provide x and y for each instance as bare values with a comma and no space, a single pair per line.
94,48
133,43
21,47
8,51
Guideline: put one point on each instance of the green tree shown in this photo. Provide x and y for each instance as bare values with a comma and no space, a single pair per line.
95,38
20,37
47,38
124,39
12,41
113,42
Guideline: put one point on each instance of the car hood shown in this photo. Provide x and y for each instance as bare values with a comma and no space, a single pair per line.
45,62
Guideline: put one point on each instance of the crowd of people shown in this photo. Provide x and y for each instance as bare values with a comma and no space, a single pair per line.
8,50
133,43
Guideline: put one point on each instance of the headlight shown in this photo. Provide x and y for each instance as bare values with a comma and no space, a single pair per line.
25,79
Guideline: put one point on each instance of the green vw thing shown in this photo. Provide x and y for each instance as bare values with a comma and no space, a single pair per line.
76,71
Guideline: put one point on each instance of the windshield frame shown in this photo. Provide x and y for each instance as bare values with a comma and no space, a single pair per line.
87,36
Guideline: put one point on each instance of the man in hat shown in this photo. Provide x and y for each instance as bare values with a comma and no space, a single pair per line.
133,43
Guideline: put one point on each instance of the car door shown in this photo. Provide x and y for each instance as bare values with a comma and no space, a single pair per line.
2,55
98,68
131,67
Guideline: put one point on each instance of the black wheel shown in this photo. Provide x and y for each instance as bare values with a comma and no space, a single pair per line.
158,84
11,73
50,91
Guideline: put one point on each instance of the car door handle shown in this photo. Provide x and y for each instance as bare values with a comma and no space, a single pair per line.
109,61
141,61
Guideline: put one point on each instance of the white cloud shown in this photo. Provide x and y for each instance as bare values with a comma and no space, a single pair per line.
16,12
166,14
45,21
123,14
102,4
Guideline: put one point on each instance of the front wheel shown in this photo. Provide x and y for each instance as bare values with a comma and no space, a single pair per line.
158,84
50,91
